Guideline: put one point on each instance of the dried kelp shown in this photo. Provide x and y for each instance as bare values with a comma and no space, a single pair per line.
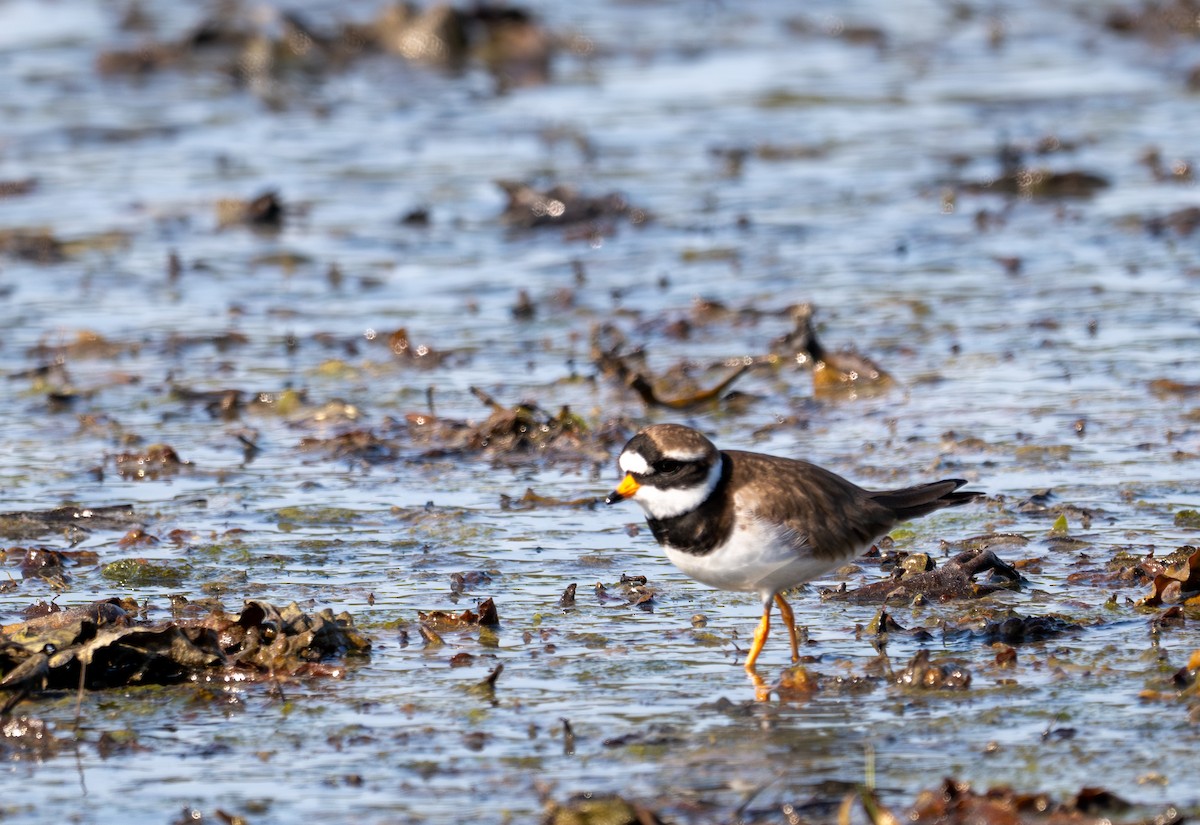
517,433
599,809
154,462
105,645
1011,628
530,208
37,245
1040,183
955,803
845,374
532,501
611,355
441,621
264,212
34,523
953,580
1177,584
923,674
507,41
360,445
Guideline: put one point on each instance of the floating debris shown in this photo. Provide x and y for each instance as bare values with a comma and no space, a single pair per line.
36,245
953,580
1176,585
257,50
265,211
607,355
1040,183
567,599
531,500
1011,628
104,645
955,803
223,404
84,343
440,621
15,187
405,351
599,809
516,432
635,591
137,537
34,523
530,208
656,734
846,374
986,541
1182,222
42,563
469,580
360,445
156,461
1169,387
925,675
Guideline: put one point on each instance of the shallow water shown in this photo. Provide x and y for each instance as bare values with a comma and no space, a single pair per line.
865,218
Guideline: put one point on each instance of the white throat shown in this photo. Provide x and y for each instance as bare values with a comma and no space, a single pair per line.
662,504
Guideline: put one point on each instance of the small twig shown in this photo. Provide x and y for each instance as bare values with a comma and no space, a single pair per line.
79,693
487,399
568,738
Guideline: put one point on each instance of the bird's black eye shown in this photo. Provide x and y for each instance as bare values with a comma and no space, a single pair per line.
667,465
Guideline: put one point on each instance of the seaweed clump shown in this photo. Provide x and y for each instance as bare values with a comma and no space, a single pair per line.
103,645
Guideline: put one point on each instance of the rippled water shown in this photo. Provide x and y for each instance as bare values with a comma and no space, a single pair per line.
864,215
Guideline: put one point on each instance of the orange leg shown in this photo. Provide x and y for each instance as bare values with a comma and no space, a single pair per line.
760,637
785,610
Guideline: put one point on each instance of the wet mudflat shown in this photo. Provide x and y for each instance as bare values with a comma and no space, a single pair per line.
324,326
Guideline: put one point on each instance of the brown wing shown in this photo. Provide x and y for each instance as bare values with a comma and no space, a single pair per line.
836,517
914,502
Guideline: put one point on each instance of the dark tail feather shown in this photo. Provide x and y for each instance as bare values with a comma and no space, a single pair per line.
914,502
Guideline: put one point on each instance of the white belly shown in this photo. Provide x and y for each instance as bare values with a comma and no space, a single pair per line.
758,558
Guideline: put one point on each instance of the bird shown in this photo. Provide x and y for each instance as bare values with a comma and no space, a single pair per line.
752,522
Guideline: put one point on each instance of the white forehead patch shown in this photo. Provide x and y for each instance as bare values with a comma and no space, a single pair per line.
633,463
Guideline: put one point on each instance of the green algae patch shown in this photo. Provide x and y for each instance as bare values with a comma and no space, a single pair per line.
145,573
1188,518
336,368
706,638
592,641
1042,453
231,551
289,518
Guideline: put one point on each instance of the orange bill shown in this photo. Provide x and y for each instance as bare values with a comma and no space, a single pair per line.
625,489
